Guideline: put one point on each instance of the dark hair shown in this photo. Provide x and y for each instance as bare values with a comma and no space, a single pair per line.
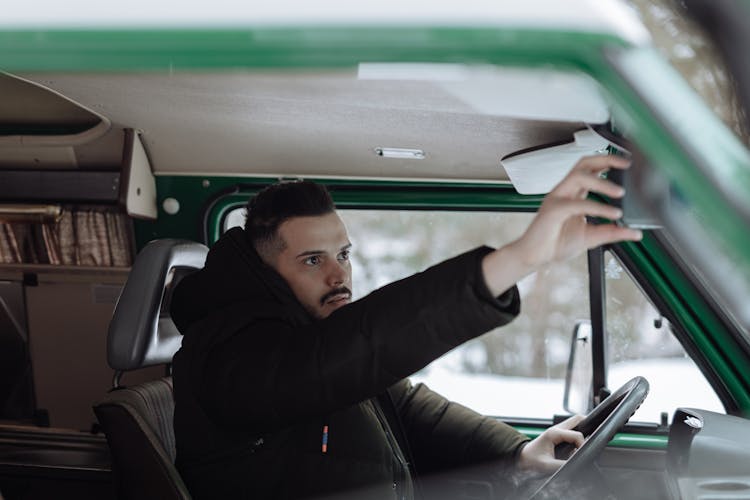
277,203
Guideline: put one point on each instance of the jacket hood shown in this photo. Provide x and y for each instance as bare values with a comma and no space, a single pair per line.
233,273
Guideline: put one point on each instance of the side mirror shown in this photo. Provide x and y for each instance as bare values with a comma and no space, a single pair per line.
578,397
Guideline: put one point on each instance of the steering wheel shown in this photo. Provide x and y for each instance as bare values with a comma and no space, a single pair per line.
598,427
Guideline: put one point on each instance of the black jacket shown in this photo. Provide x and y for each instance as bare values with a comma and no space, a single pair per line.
257,381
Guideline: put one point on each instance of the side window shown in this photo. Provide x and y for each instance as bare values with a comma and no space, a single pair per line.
641,342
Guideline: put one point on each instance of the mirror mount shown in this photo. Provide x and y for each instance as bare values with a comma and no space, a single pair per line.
597,303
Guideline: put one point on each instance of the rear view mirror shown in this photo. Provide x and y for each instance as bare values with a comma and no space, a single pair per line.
578,397
637,210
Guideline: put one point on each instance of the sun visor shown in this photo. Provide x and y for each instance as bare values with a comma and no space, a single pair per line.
138,193
538,170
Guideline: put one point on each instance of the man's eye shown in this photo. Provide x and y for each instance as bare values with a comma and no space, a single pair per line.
312,260
344,255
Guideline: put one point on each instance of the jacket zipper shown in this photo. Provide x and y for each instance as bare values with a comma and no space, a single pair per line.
402,465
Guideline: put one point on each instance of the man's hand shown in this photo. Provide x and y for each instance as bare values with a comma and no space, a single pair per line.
539,454
560,229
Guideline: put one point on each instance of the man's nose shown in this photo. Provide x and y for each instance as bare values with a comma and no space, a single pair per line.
337,273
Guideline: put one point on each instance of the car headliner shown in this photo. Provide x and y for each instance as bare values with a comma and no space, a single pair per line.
287,123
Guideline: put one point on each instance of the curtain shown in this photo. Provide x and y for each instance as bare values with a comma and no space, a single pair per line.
83,237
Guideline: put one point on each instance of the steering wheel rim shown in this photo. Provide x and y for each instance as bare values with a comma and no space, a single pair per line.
598,427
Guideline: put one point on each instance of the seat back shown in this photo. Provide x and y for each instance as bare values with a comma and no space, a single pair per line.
137,420
138,424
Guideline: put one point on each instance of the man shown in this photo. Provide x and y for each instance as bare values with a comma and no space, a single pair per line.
285,389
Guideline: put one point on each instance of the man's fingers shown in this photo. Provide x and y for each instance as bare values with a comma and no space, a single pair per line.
590,208
599,163
571,422
580,184
584,174
553,464
568,436
602,234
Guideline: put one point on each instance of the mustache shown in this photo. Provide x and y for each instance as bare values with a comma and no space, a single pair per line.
333,293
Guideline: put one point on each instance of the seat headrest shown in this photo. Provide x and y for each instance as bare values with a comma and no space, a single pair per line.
141,332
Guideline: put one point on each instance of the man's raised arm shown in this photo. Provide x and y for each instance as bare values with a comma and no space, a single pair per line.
560,230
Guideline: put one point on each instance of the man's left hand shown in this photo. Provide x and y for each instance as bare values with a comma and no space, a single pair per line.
539,454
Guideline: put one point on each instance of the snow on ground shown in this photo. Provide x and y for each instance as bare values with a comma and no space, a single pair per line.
674,382
497,395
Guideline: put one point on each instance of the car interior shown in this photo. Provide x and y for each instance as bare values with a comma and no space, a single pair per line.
114,184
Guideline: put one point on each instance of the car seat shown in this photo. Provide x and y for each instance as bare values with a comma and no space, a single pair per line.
137,420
